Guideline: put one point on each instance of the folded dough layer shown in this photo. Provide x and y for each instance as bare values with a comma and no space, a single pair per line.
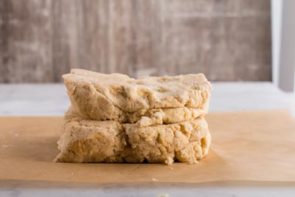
118,97
109,141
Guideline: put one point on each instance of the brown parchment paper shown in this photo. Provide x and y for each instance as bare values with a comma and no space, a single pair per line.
247,146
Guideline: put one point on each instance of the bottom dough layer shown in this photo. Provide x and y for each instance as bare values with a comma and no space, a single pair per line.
110,141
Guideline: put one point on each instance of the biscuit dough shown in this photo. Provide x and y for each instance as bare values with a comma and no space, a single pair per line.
109,141
115,118
154,116
186,142
91,141
118,97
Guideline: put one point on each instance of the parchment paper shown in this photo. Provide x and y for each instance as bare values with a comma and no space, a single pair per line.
247,146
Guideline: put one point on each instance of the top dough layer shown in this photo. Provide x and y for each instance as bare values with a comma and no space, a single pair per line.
112,96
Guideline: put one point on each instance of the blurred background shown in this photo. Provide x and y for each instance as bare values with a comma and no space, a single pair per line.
228,40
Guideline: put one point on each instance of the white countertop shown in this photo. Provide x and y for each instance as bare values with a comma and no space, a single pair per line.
51,99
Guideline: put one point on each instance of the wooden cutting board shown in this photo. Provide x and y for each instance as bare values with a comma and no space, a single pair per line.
247,146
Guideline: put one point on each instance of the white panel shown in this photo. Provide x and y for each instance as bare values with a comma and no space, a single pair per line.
287,51
276,26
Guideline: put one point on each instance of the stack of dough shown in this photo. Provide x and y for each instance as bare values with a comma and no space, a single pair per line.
115,118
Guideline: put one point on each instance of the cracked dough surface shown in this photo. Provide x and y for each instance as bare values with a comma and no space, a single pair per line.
118,97
109,141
